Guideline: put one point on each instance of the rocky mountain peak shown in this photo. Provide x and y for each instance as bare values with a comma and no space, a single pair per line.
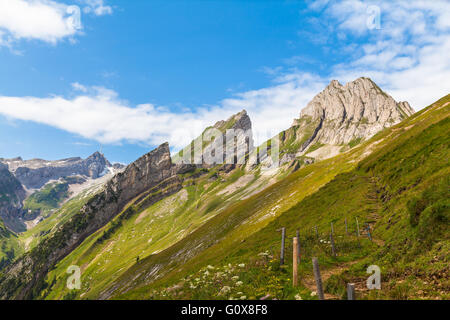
35,173
236,138
343,114
358,100
240,120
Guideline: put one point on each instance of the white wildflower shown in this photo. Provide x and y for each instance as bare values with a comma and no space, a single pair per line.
235,278
264,254
313,294
225,290
243,297
239,283
242,265
298,297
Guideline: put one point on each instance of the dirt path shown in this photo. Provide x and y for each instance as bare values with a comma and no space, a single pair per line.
310,282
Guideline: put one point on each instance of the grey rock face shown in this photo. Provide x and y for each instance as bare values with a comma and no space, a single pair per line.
237,139
226,142
342,113
35,173
142,174
11,196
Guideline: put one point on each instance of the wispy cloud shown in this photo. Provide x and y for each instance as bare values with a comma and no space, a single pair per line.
79,87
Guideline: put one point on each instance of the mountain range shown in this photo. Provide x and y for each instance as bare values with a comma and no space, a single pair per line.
178,226
31,188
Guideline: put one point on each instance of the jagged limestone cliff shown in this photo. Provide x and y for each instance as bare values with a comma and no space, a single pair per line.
11,197
340,117
226,142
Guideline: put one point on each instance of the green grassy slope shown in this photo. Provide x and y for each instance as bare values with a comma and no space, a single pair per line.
233,225
400,189
145,232
9,246
47,199
30,238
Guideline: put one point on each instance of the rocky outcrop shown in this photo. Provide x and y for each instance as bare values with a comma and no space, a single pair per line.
35,173
148,172
11,196
226,142
342,114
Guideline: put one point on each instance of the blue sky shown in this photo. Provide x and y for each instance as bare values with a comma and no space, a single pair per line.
138,73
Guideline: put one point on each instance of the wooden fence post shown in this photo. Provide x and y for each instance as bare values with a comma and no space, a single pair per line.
368,232
317,233
346,226
333,248
283,235
295,262
350,291
318,279
357,227
332,229
298,246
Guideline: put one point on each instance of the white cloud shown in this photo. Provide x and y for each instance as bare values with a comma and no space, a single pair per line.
44,20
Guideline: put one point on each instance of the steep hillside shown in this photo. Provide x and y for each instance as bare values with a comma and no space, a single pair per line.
160,230
222,202
11,197
45,228
9,246
399,188
47,199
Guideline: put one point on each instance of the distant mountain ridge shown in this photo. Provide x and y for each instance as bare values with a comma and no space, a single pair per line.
28,177
35,173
